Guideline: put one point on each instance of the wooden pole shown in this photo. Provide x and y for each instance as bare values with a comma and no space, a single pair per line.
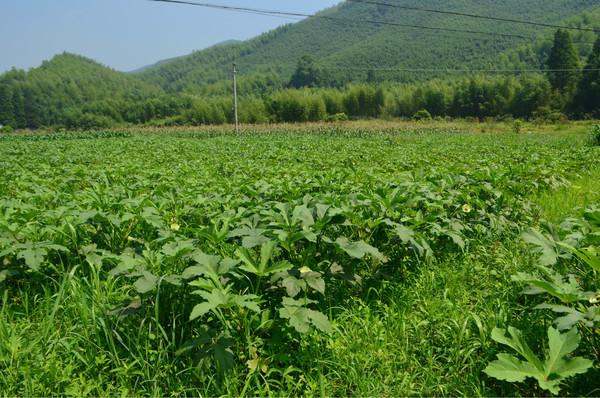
235,104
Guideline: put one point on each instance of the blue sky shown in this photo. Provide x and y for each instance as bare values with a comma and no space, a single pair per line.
128,34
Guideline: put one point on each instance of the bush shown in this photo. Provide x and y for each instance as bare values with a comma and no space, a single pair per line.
6,130
423,114
517,125
338,117
595,135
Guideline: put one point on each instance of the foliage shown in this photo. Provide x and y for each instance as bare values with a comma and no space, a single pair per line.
563,63
306,74
524,96
180,262
595,135
366,64
423,114
550,373
359,52
517,125
576,286
338,117
587,98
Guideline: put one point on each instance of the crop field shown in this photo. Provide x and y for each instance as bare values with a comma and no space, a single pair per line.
331,260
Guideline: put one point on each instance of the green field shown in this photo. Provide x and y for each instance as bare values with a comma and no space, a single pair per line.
328,260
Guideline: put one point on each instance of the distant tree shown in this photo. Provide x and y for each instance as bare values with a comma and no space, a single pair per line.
587,99
7,114
563,63
19,108
306,74
33,117
371,78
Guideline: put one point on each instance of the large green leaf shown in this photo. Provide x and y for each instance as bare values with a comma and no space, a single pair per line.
557,366
548,248
209,265
263,266
565,288
299,280
301,317
510,369
146,282
210,345
152,217
514,339
358,249
92,255
293,285
223,354
178,249
33,255
588,255
573,316
218,298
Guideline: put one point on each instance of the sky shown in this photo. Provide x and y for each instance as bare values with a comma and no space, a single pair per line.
128,34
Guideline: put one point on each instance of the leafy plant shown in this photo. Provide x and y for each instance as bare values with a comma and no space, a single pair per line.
549,373
225,248
579,305
517,126
595,135
423,114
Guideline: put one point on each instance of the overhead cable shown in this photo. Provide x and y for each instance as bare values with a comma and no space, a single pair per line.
348,21
426,70
462,14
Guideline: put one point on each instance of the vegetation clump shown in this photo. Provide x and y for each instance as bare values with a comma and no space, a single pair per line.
595,135
422,115
149,264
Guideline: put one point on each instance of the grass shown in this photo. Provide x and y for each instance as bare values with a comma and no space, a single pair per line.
429,338
568,201
425,330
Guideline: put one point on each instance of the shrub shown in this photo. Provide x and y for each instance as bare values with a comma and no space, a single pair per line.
517,125
595,135
338,117
6,130
423,114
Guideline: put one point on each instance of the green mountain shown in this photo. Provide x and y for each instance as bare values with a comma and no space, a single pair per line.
41,96
350,46
164,61
352,42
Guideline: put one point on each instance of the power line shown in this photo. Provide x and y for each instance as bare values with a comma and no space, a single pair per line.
239,9
350,21
426,70
474,16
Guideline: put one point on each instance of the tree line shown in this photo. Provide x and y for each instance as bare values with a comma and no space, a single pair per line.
563,90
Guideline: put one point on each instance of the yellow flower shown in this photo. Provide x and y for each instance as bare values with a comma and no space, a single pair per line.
174,227
466,208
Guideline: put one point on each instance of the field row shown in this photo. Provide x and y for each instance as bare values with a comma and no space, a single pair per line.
228,247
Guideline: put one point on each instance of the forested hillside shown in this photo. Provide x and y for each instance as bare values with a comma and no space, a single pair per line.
534,54
353,60
55,92
343,40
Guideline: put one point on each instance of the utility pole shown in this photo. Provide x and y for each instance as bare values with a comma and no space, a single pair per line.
235,105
